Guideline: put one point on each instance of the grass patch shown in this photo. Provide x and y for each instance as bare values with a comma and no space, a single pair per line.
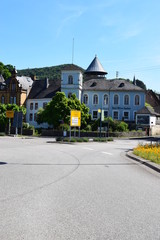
149,152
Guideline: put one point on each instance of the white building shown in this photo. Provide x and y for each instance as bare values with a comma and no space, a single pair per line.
41,93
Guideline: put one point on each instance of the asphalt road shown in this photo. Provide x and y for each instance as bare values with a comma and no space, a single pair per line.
85,191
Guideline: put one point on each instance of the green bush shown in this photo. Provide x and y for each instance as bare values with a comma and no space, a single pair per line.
59,139
2,134
122,127
66,140
109,139
85,139
79,140
72,140
27,126
100,139
64,127
88,128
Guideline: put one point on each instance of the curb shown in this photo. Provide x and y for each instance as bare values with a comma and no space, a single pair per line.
147,163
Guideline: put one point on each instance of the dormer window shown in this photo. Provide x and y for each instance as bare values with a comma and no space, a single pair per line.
70,79
69,95
121,85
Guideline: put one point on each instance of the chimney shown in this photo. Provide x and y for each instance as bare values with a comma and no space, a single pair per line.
33,77
47,82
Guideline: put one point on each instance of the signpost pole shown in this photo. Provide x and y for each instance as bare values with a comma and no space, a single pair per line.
9,129
70,134
100,123
75,121
9,115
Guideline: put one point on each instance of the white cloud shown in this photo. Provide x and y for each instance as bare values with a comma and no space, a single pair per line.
72,13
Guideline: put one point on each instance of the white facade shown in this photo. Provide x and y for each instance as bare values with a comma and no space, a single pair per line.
71,82
32,107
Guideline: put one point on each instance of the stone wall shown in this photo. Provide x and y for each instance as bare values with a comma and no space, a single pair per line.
155,130
49,132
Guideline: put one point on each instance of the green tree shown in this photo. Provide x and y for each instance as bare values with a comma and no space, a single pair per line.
5,70
139,83
58,110
3,120
4,108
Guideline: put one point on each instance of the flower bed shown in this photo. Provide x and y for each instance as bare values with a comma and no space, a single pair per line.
148,151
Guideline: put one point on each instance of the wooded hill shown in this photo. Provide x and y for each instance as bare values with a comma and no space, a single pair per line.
53,72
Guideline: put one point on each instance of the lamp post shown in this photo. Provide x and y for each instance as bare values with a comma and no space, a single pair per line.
108,110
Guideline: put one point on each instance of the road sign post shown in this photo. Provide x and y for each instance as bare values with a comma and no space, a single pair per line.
75,120
9,115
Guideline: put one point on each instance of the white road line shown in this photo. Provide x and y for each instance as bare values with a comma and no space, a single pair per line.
107,153
91,149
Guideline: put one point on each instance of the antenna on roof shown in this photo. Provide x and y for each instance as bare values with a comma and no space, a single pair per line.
73,51
117,73
134,80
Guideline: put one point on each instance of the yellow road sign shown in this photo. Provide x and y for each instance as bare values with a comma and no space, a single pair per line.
75,120
10,114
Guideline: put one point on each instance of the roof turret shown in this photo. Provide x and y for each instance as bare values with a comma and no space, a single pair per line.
95,68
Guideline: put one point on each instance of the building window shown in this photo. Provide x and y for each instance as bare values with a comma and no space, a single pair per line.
137,100
13,86
44,105
36,106
69,95
95,114
70,79
12,100
31,106
30,117
95,99
105,114
116,99
115,115
126,100
105,100
85,99
35,117
2,99
126,115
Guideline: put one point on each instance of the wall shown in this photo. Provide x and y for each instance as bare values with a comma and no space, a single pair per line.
155,130
131,108
54,133
76,87
34,111
23,98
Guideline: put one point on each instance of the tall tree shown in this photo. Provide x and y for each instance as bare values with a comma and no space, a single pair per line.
4,108
59,108
5,70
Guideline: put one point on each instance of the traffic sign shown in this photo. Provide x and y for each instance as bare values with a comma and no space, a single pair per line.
9,114
75,120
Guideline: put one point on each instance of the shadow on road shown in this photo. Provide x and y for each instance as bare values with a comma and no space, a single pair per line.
2,163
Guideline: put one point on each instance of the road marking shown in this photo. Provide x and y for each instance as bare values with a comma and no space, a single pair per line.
107,153
91,149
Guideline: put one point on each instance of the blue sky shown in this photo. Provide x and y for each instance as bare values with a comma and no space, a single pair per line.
125,35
